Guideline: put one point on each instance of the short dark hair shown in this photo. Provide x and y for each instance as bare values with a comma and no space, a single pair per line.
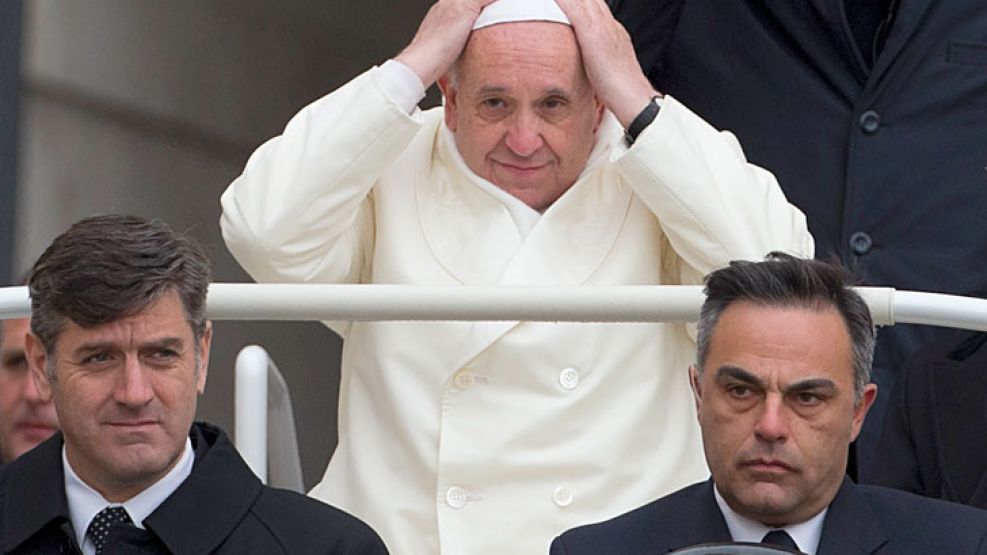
786,281
104,268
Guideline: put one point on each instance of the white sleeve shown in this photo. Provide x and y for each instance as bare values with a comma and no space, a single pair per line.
711,203
303,208
401,85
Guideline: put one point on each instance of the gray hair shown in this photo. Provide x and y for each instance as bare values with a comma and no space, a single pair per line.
783,280
108,267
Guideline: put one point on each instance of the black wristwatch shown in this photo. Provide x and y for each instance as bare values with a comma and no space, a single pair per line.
644,119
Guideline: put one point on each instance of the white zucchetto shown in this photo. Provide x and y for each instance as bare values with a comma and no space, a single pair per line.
507,11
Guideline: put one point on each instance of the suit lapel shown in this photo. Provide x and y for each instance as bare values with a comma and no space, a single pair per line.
906,22
35,495
851,528
700,521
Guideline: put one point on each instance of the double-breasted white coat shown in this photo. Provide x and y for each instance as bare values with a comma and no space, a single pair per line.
491,438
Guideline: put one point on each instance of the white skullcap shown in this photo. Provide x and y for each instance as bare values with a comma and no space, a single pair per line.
506,11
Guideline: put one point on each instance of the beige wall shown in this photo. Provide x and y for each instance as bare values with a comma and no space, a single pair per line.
152,107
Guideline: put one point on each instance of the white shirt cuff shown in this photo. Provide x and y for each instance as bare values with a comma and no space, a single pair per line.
401,84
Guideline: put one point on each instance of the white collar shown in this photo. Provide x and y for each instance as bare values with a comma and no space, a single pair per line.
85,502
742,529
524,216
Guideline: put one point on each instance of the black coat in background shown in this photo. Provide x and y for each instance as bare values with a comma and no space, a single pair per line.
888,161
862,520
935,434
220,508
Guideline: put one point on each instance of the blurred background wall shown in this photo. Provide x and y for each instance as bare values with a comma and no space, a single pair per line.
10,42
152,108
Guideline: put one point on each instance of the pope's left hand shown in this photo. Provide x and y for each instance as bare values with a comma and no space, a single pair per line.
609,59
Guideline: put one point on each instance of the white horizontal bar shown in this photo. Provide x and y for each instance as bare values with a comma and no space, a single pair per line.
632,303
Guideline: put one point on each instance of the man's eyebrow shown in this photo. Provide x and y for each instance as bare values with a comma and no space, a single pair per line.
555,91
12,358
491,89
739,374
811,384
157,343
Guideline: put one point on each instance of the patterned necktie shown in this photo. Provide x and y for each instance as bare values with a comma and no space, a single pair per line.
101,523
780,538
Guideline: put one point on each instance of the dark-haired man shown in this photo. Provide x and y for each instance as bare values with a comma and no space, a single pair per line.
120,343
781,383
25,418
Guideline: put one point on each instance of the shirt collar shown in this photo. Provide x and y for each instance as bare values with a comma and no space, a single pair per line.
742,529
85,502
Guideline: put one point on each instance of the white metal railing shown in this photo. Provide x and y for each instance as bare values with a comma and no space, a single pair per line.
630,303
264,424
242,301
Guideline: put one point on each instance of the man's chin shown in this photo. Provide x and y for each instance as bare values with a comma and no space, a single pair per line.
767,502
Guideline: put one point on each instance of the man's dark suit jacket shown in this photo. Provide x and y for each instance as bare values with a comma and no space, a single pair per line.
934,441
221,508
888,161
861,520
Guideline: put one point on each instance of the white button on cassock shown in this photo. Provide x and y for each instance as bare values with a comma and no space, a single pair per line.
464,379
562,496
569,379
456,497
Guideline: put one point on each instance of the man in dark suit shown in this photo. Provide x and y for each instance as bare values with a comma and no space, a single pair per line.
933,438
120,342
782,387
871,115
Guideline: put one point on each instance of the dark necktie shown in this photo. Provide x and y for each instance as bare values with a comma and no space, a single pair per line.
101,523
781,539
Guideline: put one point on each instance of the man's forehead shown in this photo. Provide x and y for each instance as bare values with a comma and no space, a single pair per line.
12,331
161,320
773,335
532,50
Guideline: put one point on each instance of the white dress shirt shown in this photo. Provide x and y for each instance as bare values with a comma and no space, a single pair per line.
85,502
742,529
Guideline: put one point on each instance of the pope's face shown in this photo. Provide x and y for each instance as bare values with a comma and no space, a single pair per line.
777,411
522,110
126,393
25,419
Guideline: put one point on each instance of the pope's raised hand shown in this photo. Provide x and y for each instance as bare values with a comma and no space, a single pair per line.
609,59
441,37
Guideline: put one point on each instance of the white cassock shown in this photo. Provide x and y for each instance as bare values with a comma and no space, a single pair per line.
491,438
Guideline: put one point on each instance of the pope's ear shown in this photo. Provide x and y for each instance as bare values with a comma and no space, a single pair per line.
37,363
450,101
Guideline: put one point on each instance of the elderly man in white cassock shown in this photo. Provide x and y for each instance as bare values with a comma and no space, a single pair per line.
553,162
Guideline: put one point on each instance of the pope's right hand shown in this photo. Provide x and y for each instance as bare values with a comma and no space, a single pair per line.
441,38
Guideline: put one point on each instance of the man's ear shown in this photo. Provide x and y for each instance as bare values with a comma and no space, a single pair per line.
697,388
861,407
203,370
37,361
451,102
